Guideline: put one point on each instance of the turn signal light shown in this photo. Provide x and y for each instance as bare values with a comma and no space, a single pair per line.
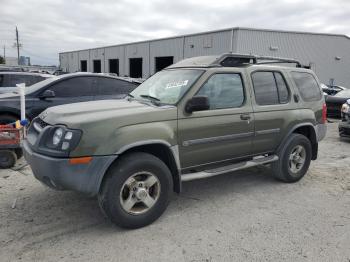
80,160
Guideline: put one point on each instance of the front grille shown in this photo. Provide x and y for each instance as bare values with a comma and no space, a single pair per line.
41,122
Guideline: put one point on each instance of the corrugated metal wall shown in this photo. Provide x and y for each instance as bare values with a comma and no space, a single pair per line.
84,55
208,44
320,50
329,54
116,52
168,47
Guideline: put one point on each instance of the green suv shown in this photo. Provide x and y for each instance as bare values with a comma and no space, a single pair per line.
199,118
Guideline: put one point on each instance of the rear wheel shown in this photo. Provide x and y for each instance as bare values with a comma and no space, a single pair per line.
294,159
8,158
136,190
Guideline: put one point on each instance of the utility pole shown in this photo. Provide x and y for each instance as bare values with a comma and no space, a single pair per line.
17,43
4,52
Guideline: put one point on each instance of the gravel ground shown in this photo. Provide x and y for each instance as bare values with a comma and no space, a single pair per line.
245,216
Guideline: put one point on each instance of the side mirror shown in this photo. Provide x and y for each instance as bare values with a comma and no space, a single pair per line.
47,94
197,103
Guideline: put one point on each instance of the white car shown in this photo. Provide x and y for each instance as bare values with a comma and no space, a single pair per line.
9,80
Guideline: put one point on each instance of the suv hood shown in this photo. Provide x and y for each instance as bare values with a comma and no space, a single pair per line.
120,112
108,125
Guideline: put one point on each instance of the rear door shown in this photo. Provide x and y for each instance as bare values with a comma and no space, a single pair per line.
71,90
111,88
274,109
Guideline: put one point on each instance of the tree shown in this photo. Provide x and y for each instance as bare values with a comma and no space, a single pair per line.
2,60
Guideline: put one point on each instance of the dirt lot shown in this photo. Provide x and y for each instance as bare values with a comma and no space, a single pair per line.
235,217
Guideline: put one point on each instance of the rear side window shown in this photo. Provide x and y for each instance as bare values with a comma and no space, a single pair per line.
110,86
73,87
1,80
307,86
19,79
270,88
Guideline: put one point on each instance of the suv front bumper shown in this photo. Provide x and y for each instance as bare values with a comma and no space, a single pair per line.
60,174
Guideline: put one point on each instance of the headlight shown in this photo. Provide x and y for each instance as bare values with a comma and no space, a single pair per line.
345,108
57,136
59,140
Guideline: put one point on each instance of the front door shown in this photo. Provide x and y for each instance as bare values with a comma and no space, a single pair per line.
225,131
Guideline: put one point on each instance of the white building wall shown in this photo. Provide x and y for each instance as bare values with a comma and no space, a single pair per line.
73,62
64,63
208,44
84,55
140,50
168,47
320,50
116,52
329,54
97,54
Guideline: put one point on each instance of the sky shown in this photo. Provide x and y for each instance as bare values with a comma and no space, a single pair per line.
48,27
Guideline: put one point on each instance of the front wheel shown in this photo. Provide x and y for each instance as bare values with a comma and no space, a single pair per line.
294,159
8,158
136,190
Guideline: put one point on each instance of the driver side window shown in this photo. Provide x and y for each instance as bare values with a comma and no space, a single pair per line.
223,91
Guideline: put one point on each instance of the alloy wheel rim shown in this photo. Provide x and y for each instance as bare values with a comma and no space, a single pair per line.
139,193
297,159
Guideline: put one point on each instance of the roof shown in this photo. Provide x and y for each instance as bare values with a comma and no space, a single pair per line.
127,79
209,32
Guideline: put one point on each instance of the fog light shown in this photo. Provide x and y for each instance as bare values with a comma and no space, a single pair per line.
65,145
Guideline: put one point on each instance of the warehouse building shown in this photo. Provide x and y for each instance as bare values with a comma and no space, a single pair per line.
327,54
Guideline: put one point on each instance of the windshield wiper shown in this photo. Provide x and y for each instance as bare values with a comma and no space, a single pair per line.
150,97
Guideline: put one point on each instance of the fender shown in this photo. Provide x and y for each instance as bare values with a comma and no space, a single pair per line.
174,152
314,143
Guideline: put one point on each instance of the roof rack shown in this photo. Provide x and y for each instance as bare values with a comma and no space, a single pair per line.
231,60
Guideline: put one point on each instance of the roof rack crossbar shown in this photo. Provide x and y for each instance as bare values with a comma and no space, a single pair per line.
253,59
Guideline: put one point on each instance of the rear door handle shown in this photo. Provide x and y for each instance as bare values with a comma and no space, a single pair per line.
296,98
245,117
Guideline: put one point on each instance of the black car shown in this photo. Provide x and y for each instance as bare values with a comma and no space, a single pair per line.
344,125
65,89
9,80
334,103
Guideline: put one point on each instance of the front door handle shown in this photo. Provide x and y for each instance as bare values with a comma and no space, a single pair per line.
245,117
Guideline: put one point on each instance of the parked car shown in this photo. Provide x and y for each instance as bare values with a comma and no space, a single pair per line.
332,90
65,89
9,80
199,118
334,103
344,125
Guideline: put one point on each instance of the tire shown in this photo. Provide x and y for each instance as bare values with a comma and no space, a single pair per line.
119,189
7,118
291,165
8,158
19,153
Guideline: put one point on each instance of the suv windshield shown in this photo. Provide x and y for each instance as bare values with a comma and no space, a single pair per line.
167,86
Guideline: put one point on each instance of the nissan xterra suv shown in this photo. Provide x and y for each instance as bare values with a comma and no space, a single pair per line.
199,118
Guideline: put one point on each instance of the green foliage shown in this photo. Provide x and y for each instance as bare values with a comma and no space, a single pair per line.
2,60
